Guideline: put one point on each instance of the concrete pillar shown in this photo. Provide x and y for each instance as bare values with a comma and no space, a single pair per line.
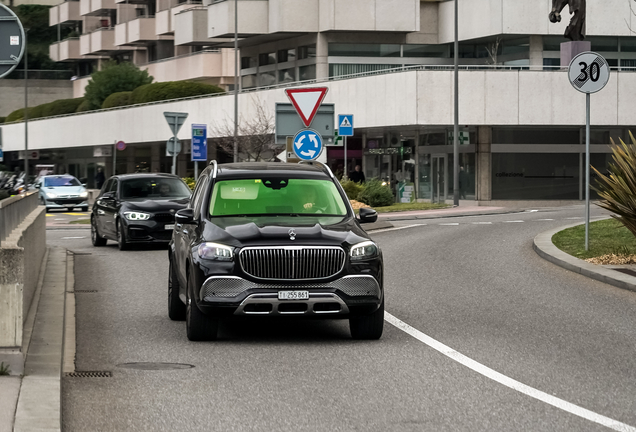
182,164
364,147
536,52
322,53
416,180
484,164
155,157
130,160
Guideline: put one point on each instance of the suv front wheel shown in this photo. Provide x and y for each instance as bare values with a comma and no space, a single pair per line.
199,326
368,327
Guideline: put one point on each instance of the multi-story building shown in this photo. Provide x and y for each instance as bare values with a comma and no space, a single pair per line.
389,62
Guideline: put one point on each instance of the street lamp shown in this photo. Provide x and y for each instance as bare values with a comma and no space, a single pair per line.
236,82
26,113
456,125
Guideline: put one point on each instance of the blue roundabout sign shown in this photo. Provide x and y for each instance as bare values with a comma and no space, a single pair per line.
308,144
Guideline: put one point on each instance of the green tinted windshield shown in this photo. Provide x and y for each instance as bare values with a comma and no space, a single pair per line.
276,197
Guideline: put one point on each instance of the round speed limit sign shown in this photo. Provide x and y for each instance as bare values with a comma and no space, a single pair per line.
589,72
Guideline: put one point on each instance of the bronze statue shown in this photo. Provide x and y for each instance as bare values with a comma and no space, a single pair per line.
576,29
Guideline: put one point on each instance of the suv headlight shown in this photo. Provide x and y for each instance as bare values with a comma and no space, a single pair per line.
215,251
363,251
136,216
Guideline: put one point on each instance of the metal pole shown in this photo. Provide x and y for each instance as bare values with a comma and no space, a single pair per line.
196,170
174,154
26,113
456,124
345,173
587,172
236,80
115,158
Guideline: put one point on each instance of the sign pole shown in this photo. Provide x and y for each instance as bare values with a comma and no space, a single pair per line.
345,174
196,170
587,172
174,155
115,158
26,114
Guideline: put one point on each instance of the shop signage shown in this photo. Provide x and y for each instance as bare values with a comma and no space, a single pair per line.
102,151
406,192
199,142
388,151
464,138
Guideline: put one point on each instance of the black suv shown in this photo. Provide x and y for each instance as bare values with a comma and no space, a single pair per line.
273,239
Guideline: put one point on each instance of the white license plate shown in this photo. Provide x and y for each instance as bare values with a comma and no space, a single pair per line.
293,295
170,227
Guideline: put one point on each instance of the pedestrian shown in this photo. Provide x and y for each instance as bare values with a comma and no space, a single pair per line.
463,182
357,176
100,178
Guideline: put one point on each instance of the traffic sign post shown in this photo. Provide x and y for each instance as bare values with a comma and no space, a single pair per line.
588,73
175,121
121,146
308,145
307,101
345,129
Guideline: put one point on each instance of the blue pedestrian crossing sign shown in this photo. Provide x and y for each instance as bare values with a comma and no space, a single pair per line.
345,125
308,144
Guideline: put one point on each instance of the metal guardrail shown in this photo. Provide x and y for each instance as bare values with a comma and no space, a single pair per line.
14,210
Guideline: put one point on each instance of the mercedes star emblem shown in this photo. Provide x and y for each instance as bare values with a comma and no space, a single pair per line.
292,234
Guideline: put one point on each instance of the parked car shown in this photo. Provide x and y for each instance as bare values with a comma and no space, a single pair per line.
137,208
62,192
273,239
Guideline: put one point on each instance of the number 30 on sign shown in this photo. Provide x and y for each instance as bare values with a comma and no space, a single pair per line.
589,72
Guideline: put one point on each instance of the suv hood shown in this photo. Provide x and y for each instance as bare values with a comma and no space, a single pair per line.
274,231
155,205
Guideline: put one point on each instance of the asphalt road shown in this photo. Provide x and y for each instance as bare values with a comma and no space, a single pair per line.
473,284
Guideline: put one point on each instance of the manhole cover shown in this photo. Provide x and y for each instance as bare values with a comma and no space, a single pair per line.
90,374
155,366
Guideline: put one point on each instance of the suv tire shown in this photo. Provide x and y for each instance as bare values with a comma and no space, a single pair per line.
121,238
368,327
199,326
96,239
176,308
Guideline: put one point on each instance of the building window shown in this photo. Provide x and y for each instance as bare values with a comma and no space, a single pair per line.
286,55
350,69
248,62
266,59
266,79
248,81
535,136
307,51
436,51
364,50
287,75
307,72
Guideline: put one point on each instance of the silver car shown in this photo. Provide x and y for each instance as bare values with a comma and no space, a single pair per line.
62,191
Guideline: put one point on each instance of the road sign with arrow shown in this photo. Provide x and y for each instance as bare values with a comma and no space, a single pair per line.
308,145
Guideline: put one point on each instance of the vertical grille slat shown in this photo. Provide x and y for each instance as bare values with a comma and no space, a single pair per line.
292,263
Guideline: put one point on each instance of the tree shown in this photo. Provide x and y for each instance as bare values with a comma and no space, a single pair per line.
255,136
111,79
493,50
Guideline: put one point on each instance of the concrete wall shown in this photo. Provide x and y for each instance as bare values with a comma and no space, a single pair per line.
40,91
21,257
402,99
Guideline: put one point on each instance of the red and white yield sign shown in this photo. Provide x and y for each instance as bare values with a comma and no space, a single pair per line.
307,101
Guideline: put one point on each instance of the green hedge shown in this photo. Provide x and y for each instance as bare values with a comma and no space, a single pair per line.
117,99
171,90
352,189
375,194
84,106
58,107
2,119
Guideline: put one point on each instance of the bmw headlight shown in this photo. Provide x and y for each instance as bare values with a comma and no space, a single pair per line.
136,216
363,251
83,194
51,195
215,251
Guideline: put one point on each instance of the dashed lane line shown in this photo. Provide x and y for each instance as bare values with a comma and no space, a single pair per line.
507,381
70,238
515,221
482,223
449,224
396,228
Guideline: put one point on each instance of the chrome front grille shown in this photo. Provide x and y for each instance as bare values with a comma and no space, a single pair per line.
292,262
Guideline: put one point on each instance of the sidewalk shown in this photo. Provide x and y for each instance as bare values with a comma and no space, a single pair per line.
33,402
619,276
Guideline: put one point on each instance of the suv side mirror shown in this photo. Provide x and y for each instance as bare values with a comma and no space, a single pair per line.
184,216
108,196
37,185
368,215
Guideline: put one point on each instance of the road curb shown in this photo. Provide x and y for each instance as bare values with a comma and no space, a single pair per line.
544,247
397,216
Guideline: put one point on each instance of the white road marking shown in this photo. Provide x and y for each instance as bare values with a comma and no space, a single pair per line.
517,221
395,229
532,211
59,219
69,238
482,223
574,218
507,381
449,224
545,219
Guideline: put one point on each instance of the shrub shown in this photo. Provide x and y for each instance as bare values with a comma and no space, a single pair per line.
61,106
114,78
2,119
84,106
117,99
375,194
15,115
190,182
617,189
352,189
171,90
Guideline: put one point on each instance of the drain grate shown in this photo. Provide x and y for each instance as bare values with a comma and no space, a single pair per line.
90,374
85,291
626,271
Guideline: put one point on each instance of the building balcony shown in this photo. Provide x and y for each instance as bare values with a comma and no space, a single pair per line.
103,41
96,7
66,50
370,15
164,20
141,30
191,27
253,18
210,66
65,13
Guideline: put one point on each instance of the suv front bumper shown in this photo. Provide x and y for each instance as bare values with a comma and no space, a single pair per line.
349,295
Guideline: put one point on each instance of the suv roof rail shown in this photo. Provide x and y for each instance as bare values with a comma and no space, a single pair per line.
320,165
213,162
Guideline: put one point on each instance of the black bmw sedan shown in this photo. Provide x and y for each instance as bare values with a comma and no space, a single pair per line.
138,208
273,239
